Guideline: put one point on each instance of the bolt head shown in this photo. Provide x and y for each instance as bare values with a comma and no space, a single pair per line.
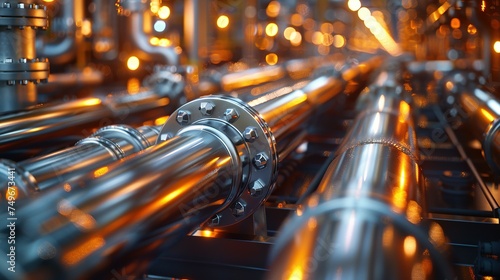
260,160
239,209
206,108
214,221
250,134
183,117
257,187
231,115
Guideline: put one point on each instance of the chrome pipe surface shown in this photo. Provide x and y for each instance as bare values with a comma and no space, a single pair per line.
483,112
361,223
163,192
109,144
75,117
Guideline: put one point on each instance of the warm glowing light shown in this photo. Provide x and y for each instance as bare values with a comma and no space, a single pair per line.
414,212
496,46
388,236
364,13
133,85
222,21
296,38
86,28
487,115
101,171
154,41
338,41
273,9
48,1
161,120
67,187
154,6
410,246
483,5
271,58
317,38
455,23
296,19
288,32
83,250
164,42
164,12
436,234
272,29
471,29
205,233
354,5
91,102
133,63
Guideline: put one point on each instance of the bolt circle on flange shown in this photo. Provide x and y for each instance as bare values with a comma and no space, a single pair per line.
250,135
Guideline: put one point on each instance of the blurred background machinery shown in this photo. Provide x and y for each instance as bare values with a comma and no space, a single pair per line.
256,139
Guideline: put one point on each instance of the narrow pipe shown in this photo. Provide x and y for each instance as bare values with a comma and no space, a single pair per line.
361,223
482,113
63,49
140,40
73,118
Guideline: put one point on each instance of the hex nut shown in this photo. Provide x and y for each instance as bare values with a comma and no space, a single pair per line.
207,108
231,115
257,187
238,209
250,134
260,160
183,117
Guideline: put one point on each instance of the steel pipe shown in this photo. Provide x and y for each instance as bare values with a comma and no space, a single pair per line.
215,161
108,144
74,117
482,111
362,221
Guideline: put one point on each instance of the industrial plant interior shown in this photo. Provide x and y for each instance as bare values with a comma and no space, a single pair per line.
250,139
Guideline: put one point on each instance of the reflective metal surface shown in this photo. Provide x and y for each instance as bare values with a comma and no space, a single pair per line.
172,187
359,224
483,112
109,144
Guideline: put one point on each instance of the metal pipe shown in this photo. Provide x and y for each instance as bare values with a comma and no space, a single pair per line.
361,222
40,124
483,112
214,161
63,49
103,215
107,145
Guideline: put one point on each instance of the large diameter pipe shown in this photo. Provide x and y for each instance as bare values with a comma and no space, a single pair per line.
179,182
108,144
361,222
483,112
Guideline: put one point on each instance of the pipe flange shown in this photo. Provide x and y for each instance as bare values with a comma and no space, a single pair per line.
23,15
32,70
252,138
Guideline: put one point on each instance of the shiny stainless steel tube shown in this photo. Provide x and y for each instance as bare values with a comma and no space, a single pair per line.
162,192
73,118
362,221
109,144
483,112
